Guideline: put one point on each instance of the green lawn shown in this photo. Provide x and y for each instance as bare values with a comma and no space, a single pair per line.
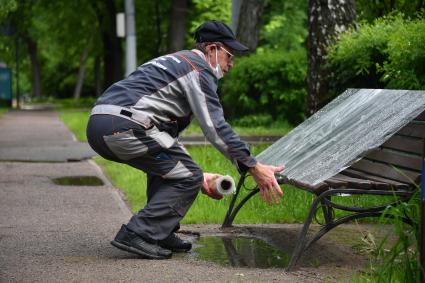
76,121
292,209
3,110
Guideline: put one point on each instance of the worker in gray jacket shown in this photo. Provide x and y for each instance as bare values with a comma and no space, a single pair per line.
137,121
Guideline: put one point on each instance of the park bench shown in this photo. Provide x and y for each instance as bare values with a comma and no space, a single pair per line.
393,168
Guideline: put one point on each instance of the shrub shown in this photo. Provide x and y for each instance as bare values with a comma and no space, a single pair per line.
389,53
268,82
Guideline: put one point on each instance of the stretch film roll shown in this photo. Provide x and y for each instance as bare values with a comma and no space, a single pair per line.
225,185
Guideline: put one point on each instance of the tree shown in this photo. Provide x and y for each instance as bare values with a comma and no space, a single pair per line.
20,16
249,22
112,50
7,6
326,19
177,31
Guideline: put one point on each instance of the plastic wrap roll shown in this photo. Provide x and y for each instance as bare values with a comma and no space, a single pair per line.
225,185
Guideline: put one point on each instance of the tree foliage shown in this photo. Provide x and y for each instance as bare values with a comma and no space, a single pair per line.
388,53
7,6
370,10
284,25
268,82
202,10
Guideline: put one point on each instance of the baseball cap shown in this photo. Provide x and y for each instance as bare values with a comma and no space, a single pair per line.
212,31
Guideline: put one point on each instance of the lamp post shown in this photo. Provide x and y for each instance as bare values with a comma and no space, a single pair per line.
130,36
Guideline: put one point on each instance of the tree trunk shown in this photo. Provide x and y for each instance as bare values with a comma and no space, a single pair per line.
236,7
97,79
113,53
81,73
177,31
248,27
326,19
35,66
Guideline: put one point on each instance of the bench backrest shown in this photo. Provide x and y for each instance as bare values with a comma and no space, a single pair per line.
400,158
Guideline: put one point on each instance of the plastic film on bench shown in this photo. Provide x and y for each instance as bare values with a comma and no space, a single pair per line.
342,132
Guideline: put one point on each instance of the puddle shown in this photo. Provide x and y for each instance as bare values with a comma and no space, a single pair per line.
78,181
239,252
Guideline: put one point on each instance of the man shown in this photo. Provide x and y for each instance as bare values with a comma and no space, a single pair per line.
137,122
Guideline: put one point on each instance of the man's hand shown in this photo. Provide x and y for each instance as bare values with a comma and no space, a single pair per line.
266,181
209,186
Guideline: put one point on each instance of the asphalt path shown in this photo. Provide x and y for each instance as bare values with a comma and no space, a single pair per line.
53,233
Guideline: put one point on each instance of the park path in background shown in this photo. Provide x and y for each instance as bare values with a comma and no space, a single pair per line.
52,233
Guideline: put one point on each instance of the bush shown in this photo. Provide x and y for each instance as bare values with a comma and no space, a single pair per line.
268,82
253,121
386,54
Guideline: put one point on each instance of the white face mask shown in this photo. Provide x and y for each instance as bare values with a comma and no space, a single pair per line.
218,72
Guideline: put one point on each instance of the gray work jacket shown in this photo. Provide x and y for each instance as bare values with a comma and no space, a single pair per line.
168,91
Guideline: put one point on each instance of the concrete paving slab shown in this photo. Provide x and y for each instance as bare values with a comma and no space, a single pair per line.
39,136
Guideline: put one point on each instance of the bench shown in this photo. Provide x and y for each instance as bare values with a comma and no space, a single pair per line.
392,169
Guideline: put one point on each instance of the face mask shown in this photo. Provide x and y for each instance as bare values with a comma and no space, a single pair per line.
218,72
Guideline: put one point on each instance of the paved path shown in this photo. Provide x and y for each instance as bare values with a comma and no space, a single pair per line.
51,233
38,136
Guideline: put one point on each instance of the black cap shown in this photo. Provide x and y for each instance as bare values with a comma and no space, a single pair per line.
212,31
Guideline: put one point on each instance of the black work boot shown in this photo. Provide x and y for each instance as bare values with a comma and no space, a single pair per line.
129,241
175,244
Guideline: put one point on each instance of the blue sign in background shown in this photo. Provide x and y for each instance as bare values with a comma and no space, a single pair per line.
5,84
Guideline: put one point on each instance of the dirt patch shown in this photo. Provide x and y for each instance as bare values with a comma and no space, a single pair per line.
335,257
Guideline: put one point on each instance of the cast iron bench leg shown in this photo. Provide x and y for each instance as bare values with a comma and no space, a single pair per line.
300,247
230,215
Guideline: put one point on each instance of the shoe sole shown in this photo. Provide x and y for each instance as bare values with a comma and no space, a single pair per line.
137,251
178,250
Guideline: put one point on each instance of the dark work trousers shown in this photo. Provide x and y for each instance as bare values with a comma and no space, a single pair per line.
174,179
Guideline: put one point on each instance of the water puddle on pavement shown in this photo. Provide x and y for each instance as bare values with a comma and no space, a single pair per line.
78,181
239,252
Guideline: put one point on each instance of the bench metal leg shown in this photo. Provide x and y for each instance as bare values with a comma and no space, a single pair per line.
325,200
328,213
299,248
230,215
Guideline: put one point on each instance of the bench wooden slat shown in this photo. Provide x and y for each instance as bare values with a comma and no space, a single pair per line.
406,144
386,171
317,189
414,129
396,158
336,183
388,183
421,117
354,183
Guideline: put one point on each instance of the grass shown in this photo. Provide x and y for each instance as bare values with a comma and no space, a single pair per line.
65,103
75,119
274,129
293,207
206,210
3,110
399,262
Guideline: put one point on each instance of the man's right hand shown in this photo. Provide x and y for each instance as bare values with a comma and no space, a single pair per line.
264,176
